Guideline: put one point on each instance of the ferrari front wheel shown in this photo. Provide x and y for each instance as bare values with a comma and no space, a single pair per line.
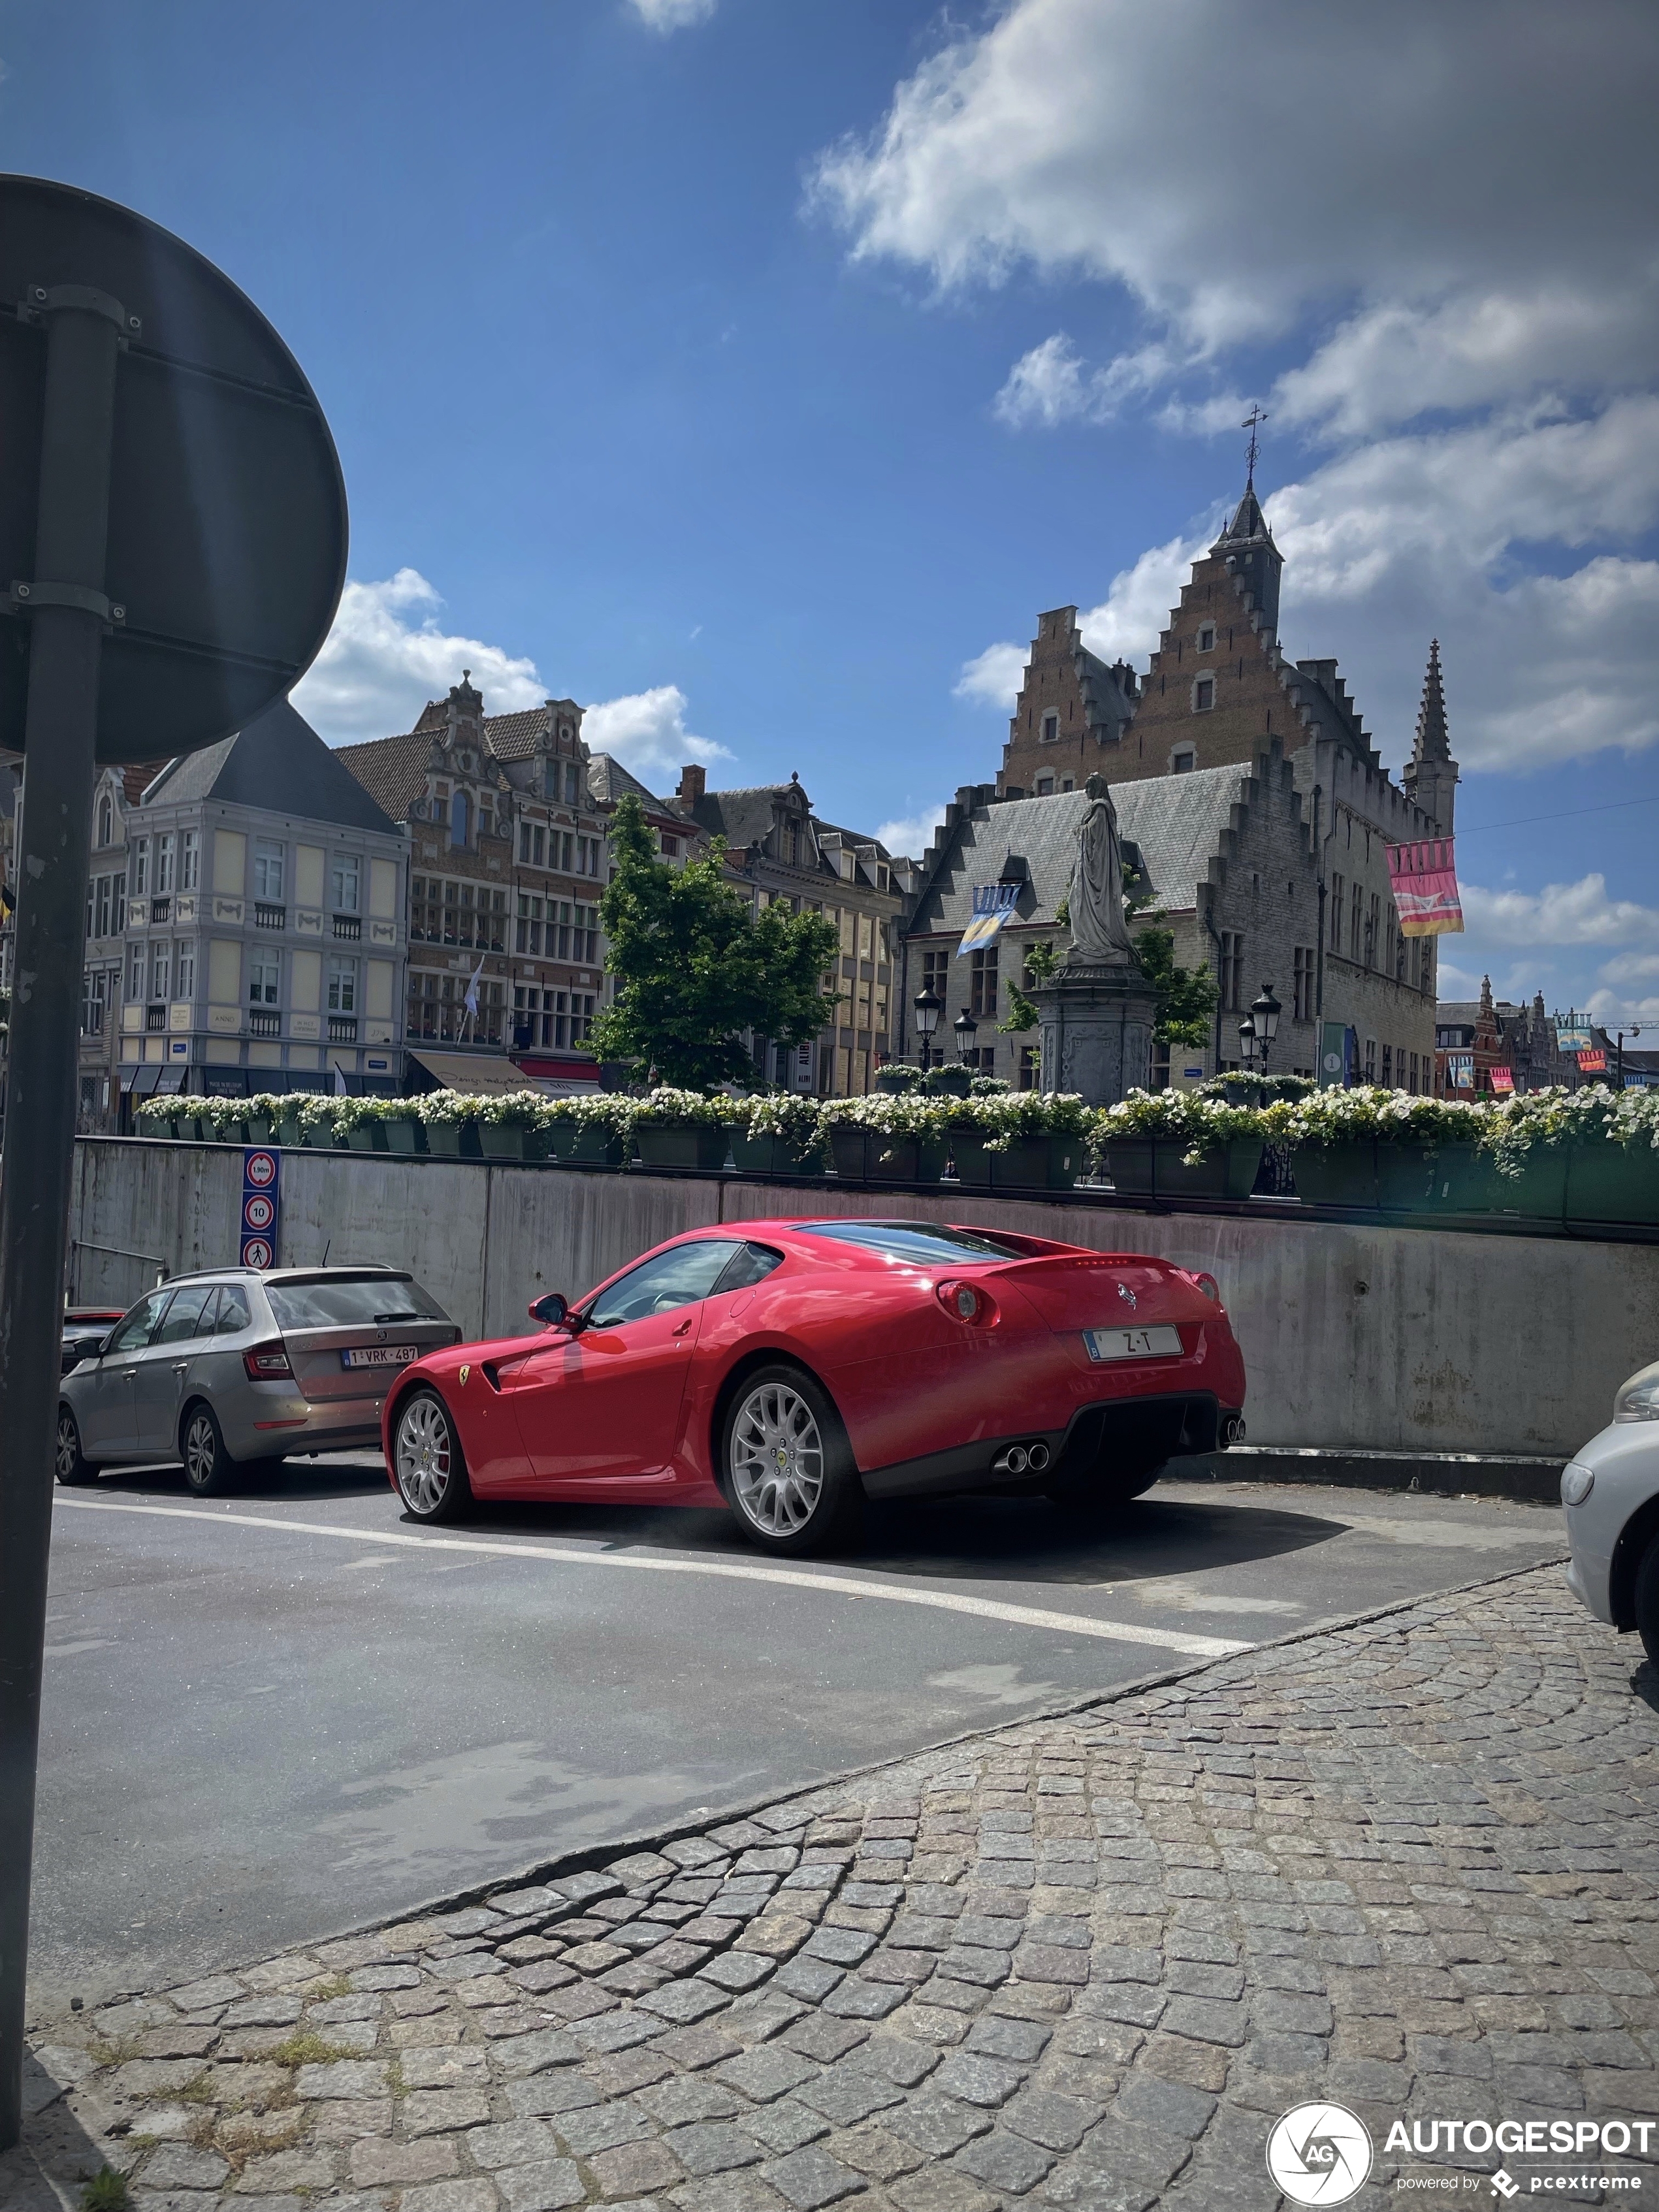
789,1473
427,1460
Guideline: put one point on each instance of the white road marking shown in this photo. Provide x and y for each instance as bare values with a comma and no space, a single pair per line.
983,1608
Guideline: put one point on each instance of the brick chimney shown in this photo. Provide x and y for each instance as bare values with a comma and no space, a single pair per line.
693,781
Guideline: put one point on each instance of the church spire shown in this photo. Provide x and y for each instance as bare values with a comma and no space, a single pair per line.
1431,774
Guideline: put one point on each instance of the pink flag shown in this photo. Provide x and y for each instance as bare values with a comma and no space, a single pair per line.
1425,878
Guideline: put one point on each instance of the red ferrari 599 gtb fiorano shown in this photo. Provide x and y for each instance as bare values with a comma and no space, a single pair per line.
790,1370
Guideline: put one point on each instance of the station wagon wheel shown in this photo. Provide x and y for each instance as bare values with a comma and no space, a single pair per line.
72,1464
209,1468
789,1474
427,1461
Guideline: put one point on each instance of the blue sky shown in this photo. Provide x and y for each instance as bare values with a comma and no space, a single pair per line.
755,372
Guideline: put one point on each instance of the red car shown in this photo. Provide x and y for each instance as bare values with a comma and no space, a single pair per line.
790,1370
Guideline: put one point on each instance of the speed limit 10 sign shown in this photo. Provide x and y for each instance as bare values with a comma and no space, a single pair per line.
262,1205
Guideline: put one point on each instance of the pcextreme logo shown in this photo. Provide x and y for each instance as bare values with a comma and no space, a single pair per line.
1320,2153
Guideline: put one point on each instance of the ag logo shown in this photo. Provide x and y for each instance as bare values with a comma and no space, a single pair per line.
1320,2153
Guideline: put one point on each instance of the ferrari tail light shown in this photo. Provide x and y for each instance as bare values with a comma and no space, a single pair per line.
1210,1287
963,1301
267,1363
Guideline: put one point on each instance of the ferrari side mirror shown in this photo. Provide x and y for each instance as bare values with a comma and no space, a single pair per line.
551,1309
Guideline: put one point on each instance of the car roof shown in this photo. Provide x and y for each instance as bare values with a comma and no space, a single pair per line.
368,1270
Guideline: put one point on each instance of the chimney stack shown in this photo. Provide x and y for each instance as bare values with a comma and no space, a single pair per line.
693,780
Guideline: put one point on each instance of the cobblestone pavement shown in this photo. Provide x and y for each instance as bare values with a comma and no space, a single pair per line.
1412,1865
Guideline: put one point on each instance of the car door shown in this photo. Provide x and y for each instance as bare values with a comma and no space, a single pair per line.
162,1369
103,1399
604,1402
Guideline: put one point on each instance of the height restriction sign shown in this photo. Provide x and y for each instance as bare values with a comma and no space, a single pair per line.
262,1205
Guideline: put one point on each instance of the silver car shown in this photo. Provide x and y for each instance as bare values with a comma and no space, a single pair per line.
228,1368
1610,1488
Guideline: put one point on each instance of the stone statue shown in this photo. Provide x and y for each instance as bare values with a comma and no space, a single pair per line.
1100,935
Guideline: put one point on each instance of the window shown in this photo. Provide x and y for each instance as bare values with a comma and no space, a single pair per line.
679,1277
105,819
1045,787
189,860
160,972
135,971
141,868
1203,694
982,983
92,1003
1387,1066
572,783
1371,1059
458,823
670,850
1302,982
345,882
184,972
1336,913
265,974
1356,924
268,870
1068,783
1030,1069
1373,931
166,846
1183,761
566,843
1231,978
232,1314
1412,1085
1051,729
190,1315
351,1302
1207,637
936,970
140,1324
342,985
923,1243
529,938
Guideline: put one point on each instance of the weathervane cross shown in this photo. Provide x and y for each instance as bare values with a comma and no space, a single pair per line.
1252,423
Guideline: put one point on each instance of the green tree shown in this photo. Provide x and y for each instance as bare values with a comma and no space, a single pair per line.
1186,998
696,967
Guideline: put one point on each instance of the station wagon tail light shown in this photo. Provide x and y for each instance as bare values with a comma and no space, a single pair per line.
267,1363
1210,1287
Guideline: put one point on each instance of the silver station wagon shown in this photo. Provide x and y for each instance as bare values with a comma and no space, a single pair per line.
223,1370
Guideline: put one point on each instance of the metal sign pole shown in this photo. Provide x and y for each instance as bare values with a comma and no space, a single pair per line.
65,598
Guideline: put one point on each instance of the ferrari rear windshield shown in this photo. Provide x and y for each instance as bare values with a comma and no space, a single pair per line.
927,1243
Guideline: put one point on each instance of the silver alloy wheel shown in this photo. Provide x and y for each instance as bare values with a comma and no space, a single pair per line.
777,1460
201,1449
425,1450
68,1446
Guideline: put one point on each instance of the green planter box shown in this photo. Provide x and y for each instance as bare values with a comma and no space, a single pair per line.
365,1137
1153,1167
452,1140
1420,1180
1028,1164
863,1155
585,1145
1612,1183
773,1155
288,1131
403,1136
662,1145
260,1129
510,1140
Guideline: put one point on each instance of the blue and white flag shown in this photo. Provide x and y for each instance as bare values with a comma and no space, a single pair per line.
993,904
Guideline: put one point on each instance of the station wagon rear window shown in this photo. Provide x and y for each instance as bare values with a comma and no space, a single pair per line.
929,1244
369,1302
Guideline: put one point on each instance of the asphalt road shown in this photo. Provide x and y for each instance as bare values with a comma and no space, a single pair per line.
274,1717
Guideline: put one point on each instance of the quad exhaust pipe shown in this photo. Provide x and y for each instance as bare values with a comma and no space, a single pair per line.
1021,1459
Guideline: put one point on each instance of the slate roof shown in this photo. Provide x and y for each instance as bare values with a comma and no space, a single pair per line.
392,770
743,818
608,781
1175,821
279,763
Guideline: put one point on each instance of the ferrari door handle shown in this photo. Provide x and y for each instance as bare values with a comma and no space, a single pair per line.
683,1328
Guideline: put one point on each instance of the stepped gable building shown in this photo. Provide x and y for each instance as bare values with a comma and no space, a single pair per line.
778,848
1221,693
264,942
1496,1033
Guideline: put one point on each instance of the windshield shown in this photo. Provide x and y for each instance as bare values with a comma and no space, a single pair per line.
926,1243
351,1303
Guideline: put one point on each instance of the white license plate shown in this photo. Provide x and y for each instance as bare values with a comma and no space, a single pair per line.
1133,1343
379,1355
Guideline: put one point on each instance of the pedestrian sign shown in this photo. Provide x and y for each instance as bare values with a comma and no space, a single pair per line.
262,1204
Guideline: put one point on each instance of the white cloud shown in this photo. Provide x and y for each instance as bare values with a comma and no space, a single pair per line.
666,15
992,677
647,732
909,836
386,655
1491,166
1049,386
1548,940
1561,915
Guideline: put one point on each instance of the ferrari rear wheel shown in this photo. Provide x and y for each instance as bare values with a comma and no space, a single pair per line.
427,1461
1112,1487
789,1474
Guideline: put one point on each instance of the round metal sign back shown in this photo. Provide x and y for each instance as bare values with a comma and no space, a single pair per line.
228,511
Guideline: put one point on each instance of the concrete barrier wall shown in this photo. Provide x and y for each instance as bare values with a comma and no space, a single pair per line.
1355,1337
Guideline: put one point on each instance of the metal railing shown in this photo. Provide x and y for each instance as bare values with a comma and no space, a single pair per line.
267,917
342,1029
155,1018
347,925
265,1025
160,909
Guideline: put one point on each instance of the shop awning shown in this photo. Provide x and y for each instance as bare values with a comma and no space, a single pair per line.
491,1074
171,1077
139,1082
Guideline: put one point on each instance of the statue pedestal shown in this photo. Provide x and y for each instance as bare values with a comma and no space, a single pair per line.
1095,1025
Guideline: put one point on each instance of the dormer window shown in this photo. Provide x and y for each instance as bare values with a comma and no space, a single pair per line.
1207,638
1203,694
1051,729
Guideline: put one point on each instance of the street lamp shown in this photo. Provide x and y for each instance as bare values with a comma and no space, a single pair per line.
1622,1033
1265,1013
928,1008
1249,1044
967,1030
